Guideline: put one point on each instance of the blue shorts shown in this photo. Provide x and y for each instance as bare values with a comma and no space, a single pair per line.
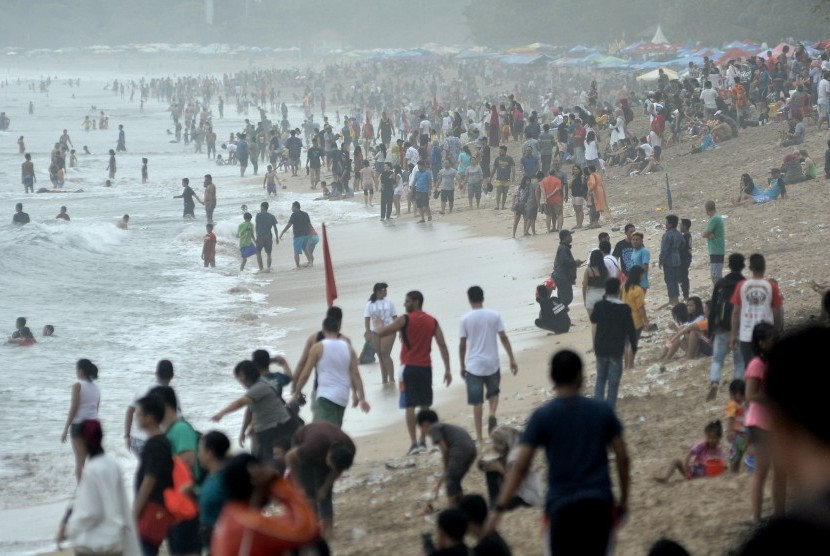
476,385
299,244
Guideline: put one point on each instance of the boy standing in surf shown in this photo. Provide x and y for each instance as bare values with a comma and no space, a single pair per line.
209,247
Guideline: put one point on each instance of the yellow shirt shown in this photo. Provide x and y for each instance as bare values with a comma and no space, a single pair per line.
635,298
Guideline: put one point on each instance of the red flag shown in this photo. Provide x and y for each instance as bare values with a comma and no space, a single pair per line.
331,285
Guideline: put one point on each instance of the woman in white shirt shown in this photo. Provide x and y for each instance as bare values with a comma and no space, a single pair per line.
380,312
100,520
84,407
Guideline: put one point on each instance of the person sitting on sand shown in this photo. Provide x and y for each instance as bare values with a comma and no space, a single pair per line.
721,131
747,191
654,164
695,464
636,164
706,142
775,190
795,134
809,165
691,331
791,172
553,314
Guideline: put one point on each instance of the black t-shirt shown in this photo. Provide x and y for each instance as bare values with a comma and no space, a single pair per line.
623,251
300,222
265,221
387,180
314,154
492,545
22,333
20,218
157,461
187,195
294,146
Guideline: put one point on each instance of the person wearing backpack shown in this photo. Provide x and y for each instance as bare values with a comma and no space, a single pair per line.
154,475
720,323
183,538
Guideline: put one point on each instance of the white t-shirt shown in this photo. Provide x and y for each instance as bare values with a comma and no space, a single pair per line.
481,328
424,125
708,97
446,123
333,378
757,298
647,149
823,91
611,265
412,156
380,313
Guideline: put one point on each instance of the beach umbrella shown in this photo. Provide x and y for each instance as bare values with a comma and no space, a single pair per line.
823,45
778,50
734,54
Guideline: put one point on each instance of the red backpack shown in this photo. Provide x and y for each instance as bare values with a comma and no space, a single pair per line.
178,502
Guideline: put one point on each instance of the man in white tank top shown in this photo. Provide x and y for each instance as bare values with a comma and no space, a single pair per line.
337,373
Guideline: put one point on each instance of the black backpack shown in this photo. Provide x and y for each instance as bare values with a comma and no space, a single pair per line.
720,313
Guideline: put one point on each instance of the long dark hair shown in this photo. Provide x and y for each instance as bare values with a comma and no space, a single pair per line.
762,332
87,368
375,289
635,276
597,261
698,303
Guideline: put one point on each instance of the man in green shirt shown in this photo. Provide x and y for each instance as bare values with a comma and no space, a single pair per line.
715,235
247,246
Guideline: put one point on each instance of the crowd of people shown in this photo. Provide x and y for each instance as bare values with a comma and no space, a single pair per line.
396,138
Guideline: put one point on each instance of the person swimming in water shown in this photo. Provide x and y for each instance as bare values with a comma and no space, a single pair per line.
22,336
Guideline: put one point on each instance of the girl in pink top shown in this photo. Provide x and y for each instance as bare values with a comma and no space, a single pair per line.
758,423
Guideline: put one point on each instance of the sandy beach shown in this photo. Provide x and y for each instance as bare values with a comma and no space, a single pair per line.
663,410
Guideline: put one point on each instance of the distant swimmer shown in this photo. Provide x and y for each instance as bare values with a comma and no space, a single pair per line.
188,195
22,336
48,330
86,150
27,173
125,220
20,218
63,215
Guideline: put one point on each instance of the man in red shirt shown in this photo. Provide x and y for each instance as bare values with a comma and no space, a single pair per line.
417,329
552,201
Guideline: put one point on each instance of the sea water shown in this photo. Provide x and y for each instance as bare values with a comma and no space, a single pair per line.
122,298
127,298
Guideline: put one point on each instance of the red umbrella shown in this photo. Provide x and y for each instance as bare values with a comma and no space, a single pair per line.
734,54
823,45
